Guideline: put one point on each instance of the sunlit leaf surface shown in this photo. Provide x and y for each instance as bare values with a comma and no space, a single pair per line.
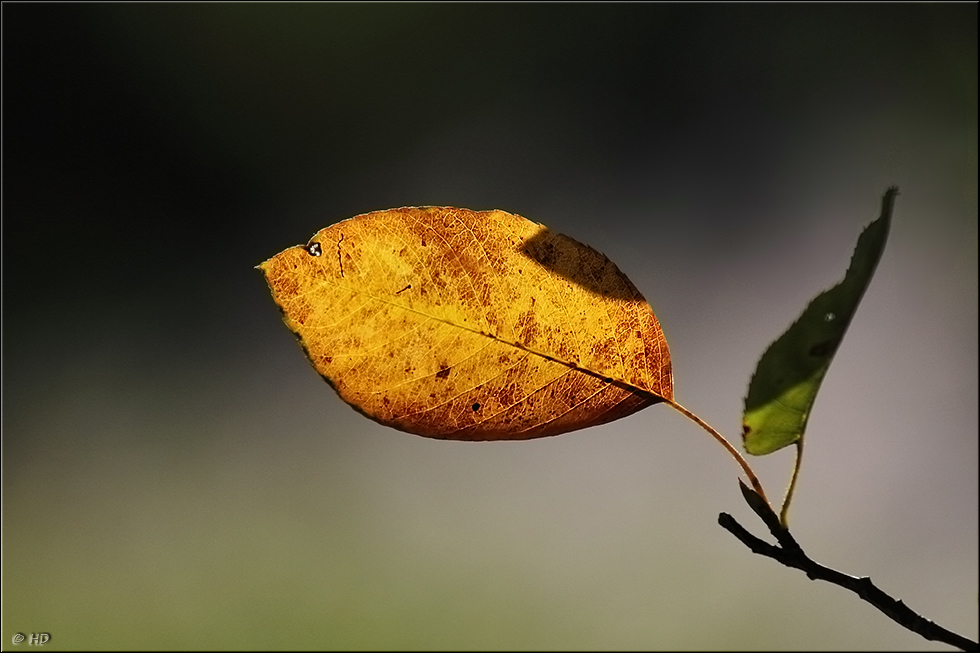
469,325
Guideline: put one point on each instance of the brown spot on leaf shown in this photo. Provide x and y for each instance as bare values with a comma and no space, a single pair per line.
527,327
822,349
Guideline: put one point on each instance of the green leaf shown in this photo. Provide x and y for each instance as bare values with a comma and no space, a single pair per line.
788,375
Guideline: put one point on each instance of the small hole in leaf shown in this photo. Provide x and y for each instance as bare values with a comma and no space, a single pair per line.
476,407
314,249
829,317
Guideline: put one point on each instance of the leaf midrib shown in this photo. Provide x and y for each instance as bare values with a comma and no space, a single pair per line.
611,380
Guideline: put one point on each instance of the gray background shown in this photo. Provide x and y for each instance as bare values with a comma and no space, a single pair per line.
176,475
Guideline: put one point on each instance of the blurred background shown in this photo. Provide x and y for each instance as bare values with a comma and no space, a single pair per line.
177,476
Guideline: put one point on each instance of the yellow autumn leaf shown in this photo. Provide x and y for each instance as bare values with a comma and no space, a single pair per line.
470,325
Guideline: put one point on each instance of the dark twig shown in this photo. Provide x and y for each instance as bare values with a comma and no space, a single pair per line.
791,554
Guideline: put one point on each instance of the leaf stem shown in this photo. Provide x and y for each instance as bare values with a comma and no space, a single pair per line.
753,479
784,512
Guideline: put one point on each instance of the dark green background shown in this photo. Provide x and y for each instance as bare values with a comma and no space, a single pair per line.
175,474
